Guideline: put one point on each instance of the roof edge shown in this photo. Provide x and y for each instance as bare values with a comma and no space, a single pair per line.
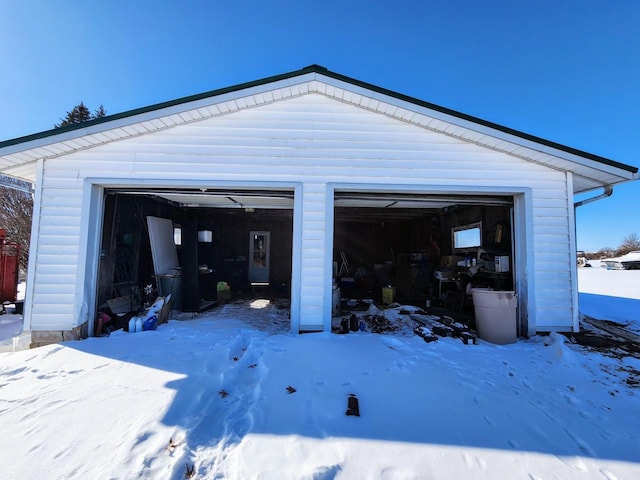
160,106
480,121
318,69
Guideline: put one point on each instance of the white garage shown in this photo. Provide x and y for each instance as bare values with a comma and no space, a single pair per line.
283,181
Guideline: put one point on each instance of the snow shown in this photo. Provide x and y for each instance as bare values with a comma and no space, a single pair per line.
610,295
11,325
218,386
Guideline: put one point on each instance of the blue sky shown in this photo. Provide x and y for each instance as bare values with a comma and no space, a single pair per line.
567,71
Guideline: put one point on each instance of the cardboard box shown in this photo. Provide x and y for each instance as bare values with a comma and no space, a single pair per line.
125,304
161,307
163,315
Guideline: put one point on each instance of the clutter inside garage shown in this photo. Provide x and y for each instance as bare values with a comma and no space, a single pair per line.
202,254
422,252
426,261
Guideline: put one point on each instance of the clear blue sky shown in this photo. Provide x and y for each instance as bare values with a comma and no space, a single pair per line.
567,71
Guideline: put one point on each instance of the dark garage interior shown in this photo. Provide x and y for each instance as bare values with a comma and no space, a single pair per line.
408,242
212,243
403,241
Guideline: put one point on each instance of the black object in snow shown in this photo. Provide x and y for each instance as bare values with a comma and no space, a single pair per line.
353,408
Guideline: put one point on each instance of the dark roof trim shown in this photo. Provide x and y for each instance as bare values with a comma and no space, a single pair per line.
322,70
479,121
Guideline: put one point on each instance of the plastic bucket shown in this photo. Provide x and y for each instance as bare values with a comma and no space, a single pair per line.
388,294
495,315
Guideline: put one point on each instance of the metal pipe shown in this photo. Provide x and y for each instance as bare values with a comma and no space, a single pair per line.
608,190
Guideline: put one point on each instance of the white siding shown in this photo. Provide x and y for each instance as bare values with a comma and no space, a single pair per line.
313,140
314,250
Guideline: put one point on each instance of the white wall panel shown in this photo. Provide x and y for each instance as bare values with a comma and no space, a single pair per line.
56,271
314,250
317,141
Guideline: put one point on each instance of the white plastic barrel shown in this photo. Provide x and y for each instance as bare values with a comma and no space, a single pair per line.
495,315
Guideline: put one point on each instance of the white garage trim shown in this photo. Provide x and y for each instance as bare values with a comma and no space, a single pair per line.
33,245
93,218
573,253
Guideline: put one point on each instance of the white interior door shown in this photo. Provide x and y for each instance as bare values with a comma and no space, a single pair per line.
259,250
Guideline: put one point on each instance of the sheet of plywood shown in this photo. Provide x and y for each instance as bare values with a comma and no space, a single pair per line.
163,248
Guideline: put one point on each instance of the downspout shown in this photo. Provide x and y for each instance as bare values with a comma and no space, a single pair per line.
608,191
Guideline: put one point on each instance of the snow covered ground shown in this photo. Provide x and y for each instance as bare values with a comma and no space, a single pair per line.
610,295
11,326
232,394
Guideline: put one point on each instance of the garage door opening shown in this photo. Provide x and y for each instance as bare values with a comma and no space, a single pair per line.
424,250
228,244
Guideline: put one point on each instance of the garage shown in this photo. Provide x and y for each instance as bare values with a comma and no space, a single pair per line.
287,184
185,242
431,249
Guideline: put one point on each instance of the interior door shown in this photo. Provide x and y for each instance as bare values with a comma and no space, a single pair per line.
259,249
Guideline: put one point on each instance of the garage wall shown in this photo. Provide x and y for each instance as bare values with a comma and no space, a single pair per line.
231,234
312,139
54,294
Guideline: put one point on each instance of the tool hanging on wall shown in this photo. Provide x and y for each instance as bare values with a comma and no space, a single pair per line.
344,266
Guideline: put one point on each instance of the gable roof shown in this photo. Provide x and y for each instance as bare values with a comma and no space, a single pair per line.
18,156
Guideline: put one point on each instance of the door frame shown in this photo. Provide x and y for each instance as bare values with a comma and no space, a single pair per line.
257,274
522,238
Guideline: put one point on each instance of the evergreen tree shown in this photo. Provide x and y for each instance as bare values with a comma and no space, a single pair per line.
16,200
80,113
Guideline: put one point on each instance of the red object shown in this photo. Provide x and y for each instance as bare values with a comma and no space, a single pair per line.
9,256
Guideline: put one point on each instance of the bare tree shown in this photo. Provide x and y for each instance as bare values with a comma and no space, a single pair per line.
606,252
16,199
629,244
16,207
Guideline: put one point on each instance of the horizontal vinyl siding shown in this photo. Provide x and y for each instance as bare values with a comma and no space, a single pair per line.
552,262
54,291
314,250
271,144
317,141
